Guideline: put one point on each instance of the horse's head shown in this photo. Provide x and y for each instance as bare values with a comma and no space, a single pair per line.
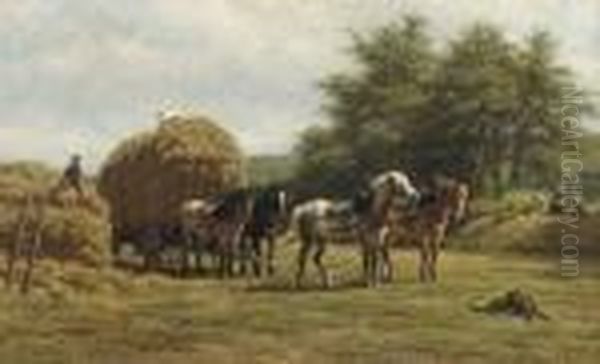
455,196
392,185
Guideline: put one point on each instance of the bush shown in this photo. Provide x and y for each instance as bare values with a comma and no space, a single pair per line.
512,205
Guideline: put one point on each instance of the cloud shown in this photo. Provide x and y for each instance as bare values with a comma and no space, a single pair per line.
94,71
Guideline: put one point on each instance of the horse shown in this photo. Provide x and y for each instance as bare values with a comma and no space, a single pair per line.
365,214
311,221
269,217
387,194
200,235
237,222
429,224
216,225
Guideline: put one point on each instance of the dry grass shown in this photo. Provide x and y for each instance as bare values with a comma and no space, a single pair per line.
73,227
86,316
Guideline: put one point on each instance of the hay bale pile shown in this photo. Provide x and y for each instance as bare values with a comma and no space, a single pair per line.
74,228
148,176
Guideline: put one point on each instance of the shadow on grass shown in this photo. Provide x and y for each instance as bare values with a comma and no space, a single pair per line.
166,271
290,287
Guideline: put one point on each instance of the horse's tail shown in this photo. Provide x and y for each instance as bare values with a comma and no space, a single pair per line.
293,230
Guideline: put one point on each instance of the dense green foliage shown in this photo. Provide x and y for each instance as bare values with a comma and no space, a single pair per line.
482,108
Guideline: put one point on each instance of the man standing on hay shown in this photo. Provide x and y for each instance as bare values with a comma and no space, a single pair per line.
73,176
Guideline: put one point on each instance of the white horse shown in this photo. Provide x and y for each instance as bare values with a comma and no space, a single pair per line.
311,221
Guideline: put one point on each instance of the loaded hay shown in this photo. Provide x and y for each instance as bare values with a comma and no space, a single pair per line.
74,228
149,175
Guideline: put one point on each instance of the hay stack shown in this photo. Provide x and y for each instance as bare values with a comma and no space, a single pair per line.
74,227
148,176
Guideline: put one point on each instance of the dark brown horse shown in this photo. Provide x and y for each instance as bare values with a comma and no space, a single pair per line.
237,223
428,225
389,194
217,226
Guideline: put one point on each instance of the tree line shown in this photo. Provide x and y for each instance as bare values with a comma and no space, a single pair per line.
481,107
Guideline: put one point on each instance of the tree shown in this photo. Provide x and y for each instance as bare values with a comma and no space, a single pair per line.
484,109
540,81
371,109
470,112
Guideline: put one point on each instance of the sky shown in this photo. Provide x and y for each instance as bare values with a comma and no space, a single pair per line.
80,75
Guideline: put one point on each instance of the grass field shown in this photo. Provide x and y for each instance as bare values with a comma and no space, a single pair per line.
81,316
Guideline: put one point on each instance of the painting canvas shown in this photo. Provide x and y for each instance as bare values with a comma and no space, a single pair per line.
337,181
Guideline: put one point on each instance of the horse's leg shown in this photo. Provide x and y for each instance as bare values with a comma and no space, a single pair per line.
270,254
367,263
436,246
184,257
222,246
228,257
184,261
223,253
198,252
366,256
374,259
305,245
195,246
226,250
148,255
387,266
245,254
13,251
423,258
373,265
238,248
31,258
363,254
10,261
257,256
317,259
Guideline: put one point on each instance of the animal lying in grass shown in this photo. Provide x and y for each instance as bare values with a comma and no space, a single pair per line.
515,303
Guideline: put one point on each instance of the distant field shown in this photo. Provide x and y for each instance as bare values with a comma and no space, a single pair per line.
81,316
267,169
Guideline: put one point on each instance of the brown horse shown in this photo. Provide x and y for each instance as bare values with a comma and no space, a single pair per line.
389,194
216,226
428,226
